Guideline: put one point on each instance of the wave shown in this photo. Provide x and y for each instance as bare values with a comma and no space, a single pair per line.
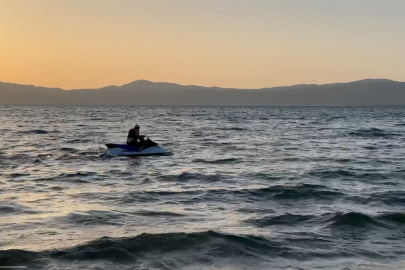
155,196
186,176
341,173
188,248
284,192
304,191
334,118
124,250
81,140
332,173
218,161
285,220
233,128
13,208
371,133
370,147
278,192
37,131
398,218
150,213
266,176
5,130
352,219
185,249
360,220
392,197
14,158
332,220
94,217
77,177
69,149
16,257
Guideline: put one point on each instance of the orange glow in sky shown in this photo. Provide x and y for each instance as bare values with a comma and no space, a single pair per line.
229,43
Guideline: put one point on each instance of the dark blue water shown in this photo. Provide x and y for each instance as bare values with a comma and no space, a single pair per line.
244,188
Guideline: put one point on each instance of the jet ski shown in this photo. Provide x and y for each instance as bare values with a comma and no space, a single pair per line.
147,149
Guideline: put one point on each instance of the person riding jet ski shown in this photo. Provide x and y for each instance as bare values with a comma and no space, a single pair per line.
134,139
136,145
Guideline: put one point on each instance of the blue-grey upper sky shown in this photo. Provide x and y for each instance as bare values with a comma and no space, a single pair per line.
230,43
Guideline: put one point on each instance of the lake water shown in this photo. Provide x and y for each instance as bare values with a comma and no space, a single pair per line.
243,188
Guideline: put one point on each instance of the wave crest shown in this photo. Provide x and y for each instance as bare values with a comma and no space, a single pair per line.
121,250
371,133
218,161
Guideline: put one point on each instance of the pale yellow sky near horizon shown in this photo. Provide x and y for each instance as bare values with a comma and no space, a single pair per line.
228,43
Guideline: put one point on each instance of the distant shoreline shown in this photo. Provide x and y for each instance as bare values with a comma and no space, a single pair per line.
364,93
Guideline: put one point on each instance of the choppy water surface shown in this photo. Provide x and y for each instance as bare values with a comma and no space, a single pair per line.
245,188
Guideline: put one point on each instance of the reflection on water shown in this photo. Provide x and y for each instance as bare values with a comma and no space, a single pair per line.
285,188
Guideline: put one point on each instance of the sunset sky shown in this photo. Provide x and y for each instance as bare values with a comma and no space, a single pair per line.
228,43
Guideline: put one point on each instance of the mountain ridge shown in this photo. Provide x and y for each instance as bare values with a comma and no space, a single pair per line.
193,85
367,92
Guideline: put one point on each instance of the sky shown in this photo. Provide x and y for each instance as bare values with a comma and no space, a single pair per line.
228,43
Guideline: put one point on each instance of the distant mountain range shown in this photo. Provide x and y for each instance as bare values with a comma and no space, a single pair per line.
370,92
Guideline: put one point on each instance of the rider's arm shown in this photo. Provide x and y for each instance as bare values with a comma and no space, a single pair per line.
130,137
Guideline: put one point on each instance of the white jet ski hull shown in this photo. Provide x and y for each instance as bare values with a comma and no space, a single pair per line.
126,150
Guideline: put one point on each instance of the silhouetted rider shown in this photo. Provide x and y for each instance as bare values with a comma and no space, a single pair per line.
134,139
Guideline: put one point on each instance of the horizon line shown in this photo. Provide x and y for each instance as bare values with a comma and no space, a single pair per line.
194,85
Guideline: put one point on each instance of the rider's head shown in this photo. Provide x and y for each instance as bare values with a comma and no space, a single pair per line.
137,130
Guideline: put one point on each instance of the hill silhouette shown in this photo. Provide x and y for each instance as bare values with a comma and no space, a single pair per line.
369,92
